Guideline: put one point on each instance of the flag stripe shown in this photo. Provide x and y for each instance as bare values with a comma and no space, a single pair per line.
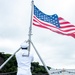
66,28
49,26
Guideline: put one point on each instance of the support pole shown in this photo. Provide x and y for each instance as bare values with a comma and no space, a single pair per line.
8,59
40,58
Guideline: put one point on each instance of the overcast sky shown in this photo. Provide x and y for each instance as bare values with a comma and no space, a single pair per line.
57,51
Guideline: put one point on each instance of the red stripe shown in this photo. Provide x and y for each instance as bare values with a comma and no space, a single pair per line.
65,27
64,23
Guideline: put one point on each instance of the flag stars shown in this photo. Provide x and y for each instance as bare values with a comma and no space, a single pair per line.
53,19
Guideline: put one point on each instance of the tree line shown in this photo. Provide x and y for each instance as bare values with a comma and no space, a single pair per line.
11,66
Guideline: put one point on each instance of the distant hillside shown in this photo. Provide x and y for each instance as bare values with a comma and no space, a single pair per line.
1,58
1,61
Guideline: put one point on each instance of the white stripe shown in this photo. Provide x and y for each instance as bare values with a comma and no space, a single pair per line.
56,29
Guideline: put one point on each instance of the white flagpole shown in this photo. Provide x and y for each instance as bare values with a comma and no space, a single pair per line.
30,31
30,28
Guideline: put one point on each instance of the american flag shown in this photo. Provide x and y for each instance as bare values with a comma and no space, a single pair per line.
53,23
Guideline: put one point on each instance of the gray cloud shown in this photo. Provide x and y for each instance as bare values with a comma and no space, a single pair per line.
57,50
